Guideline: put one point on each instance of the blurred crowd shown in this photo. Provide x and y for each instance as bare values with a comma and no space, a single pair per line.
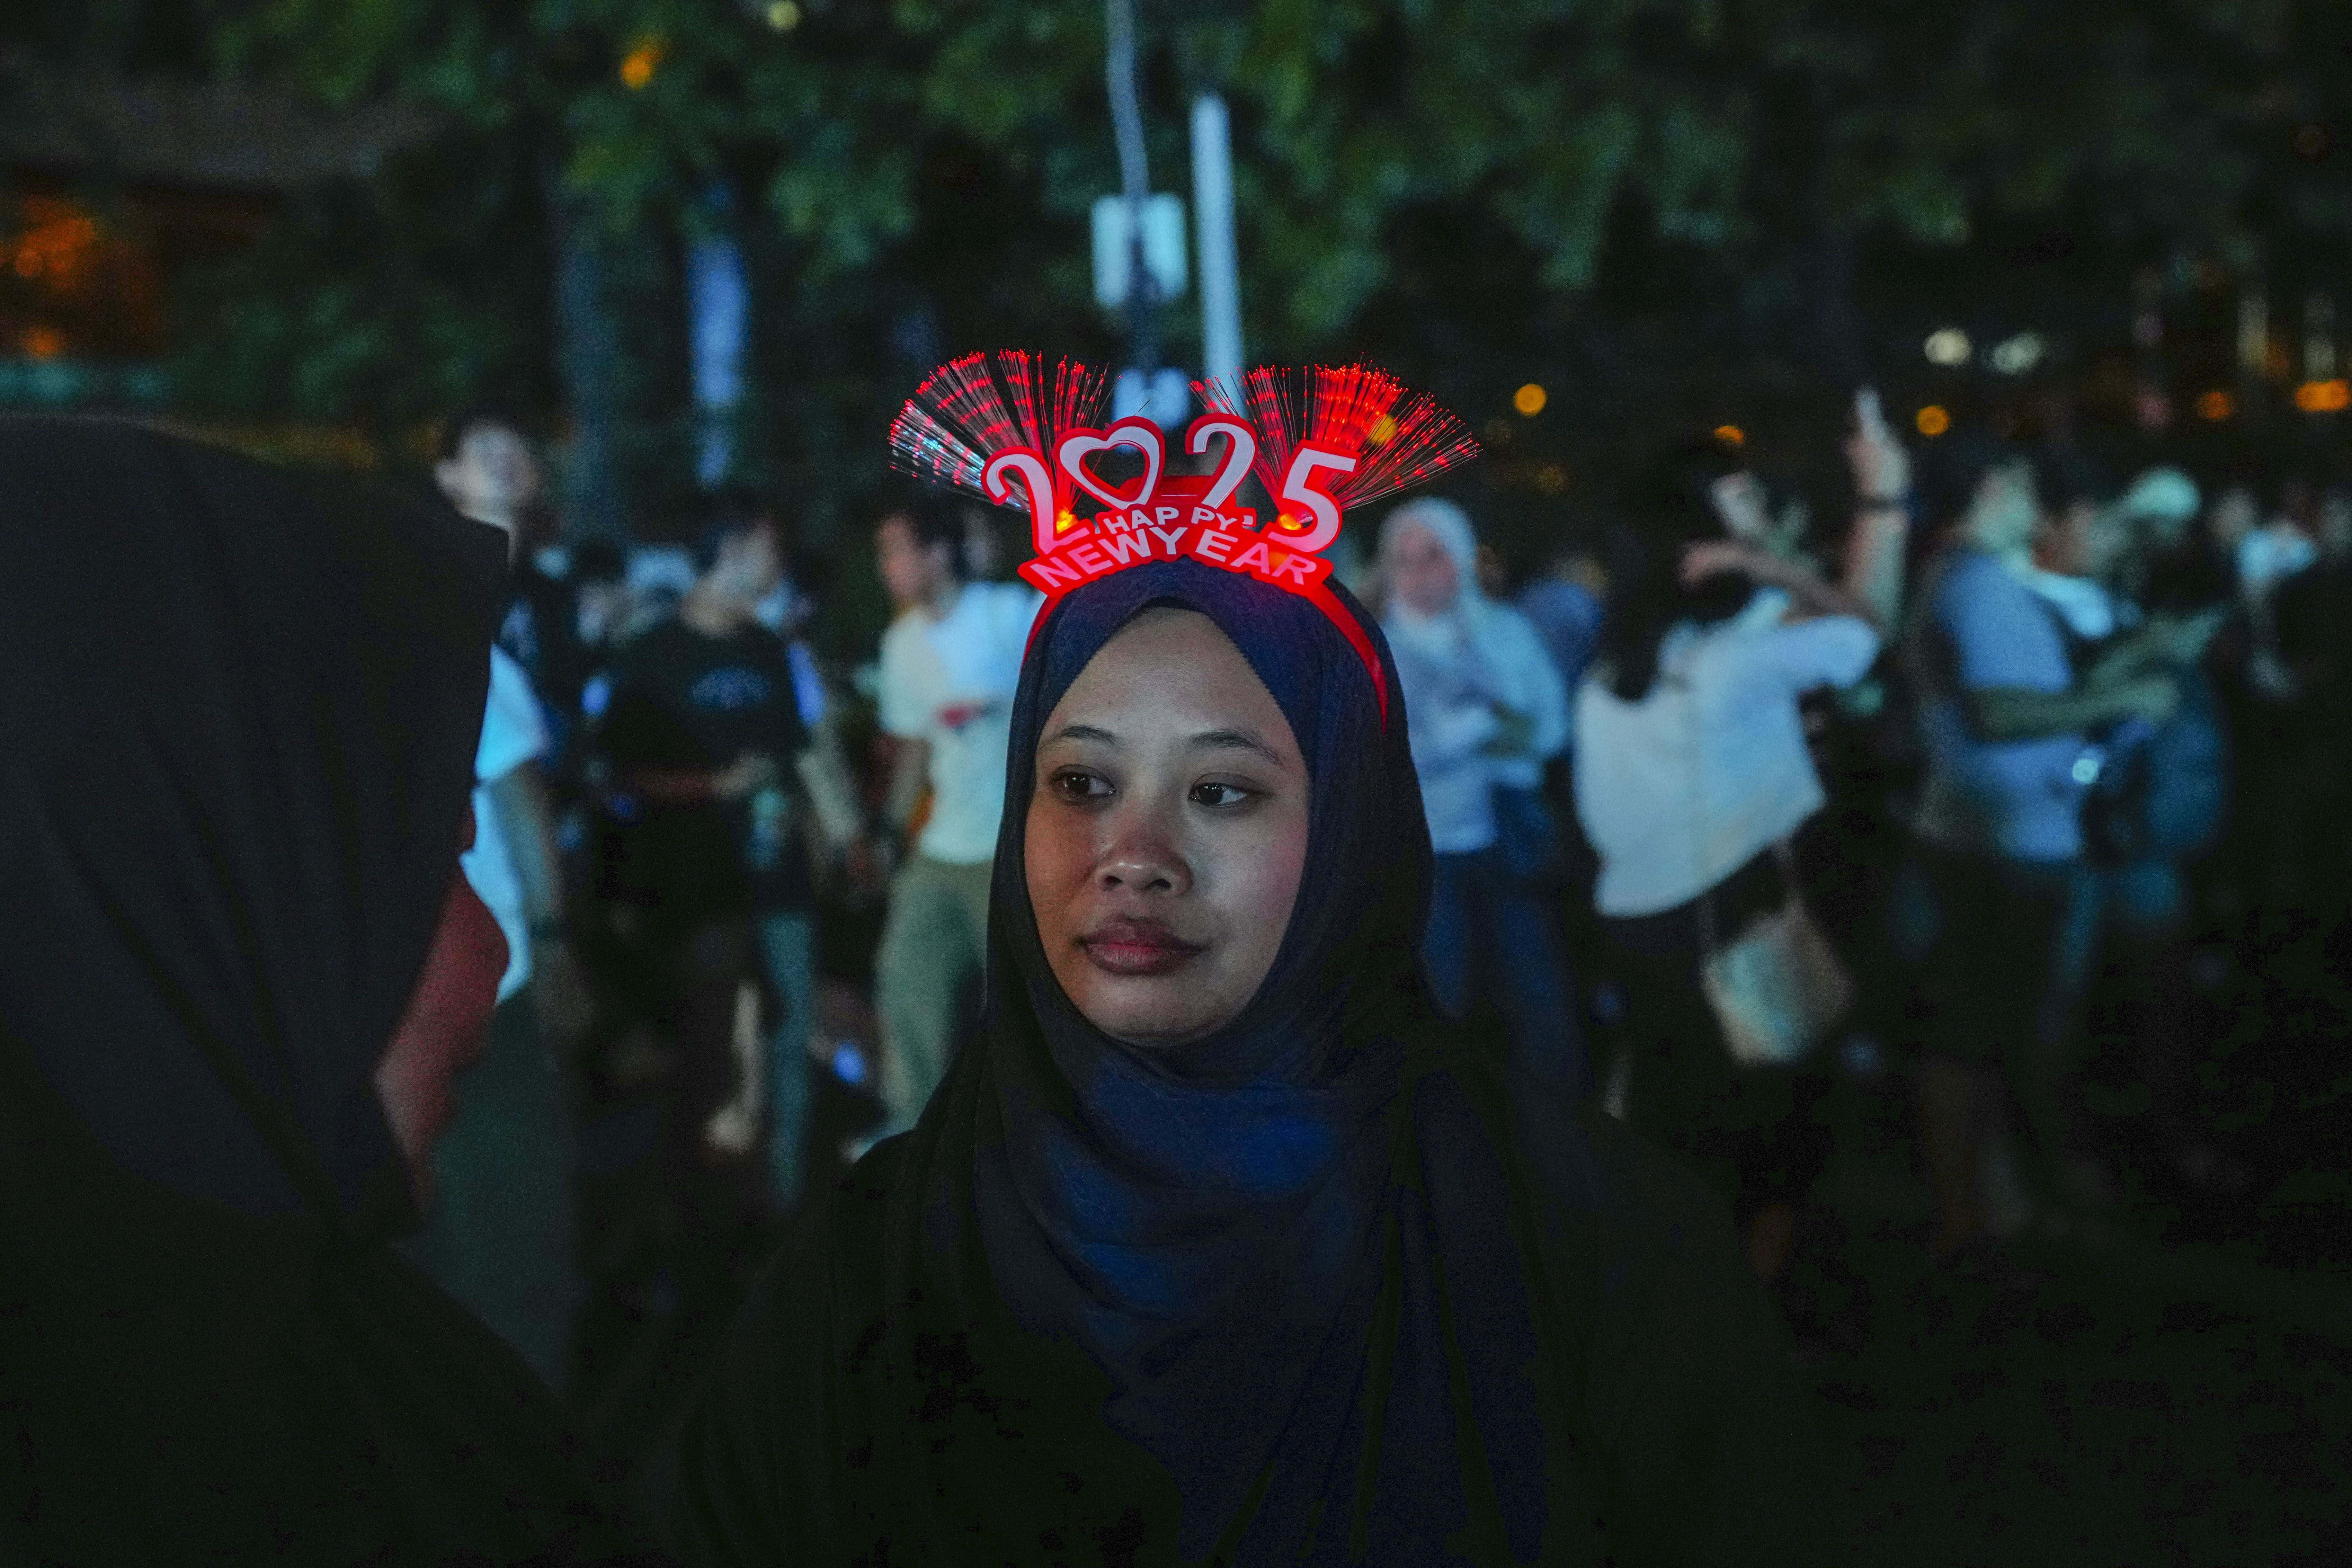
1949,781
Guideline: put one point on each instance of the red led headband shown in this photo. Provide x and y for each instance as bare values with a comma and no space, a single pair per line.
1320,441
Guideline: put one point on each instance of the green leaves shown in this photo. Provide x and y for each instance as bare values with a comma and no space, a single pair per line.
1348,111
896,158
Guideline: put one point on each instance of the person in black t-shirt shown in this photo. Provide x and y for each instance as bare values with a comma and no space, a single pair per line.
701,734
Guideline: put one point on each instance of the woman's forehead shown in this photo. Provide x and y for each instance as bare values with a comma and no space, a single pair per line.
1169,671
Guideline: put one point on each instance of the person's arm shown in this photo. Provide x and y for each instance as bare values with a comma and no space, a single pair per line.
2165,643
1548,714
1447,722
1798,656
903,707
2003,714
1877,547
1809,595
910,770
702,786
527,820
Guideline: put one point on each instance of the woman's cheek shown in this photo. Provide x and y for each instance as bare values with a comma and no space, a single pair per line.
1263,870
1055,856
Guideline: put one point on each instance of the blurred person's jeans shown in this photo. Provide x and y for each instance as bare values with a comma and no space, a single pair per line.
788,955
2137,917
934,943
501,1236
1999,986
1491,933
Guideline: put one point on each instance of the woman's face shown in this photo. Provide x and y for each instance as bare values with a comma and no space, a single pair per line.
445,1027
1422,572
1167,831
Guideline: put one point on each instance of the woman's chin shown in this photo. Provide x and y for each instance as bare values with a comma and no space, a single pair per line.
1153,1011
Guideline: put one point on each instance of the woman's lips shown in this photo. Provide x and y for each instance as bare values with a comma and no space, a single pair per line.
1137,947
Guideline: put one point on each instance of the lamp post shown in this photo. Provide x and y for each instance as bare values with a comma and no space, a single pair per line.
1212,220
1135,182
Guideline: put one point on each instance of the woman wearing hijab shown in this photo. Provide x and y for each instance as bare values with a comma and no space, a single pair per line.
239,971
1488,711
1217,1247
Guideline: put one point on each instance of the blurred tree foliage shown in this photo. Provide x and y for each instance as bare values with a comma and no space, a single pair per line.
1645,202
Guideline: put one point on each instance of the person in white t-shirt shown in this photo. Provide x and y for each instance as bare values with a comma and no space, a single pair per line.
949,663
1691,768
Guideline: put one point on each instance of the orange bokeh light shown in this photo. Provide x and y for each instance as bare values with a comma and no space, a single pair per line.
2324,397
645,57
2216,406
1933,420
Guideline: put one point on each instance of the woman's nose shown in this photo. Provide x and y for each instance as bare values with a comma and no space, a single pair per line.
1143,857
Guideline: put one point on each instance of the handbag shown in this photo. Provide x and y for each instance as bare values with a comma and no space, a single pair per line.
1777,988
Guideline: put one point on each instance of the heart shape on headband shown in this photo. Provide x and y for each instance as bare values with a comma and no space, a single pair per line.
1141,434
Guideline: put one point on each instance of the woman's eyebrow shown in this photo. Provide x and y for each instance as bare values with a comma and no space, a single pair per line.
1206,740
1234,740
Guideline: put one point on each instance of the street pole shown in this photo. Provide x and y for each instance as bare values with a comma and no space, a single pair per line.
1135,179
1212,217
719,310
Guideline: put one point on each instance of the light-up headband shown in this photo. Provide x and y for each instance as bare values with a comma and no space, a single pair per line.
1005,427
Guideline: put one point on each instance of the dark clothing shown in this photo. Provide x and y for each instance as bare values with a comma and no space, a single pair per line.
2001,983
502,1237
1315,1288
242,708
1667,1428
684,701
1993,968
1480,912
541,629
1741,1127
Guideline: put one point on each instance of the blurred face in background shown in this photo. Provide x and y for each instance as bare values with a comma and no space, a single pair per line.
1420,572
2233,517
2002,517
491,478
2084,541
750,565
980,548
911,572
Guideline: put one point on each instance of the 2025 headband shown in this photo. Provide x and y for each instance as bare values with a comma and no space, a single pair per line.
1006,427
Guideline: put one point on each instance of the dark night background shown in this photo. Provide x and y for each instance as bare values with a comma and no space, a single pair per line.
314,228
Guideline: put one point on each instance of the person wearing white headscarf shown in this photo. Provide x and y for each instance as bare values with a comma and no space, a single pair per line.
1486,709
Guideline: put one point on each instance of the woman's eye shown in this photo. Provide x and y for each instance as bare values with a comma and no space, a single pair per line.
1220,795
1072,784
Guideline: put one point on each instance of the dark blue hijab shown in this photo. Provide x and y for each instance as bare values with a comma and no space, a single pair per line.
1190,1216
1236,1233
1324,1288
